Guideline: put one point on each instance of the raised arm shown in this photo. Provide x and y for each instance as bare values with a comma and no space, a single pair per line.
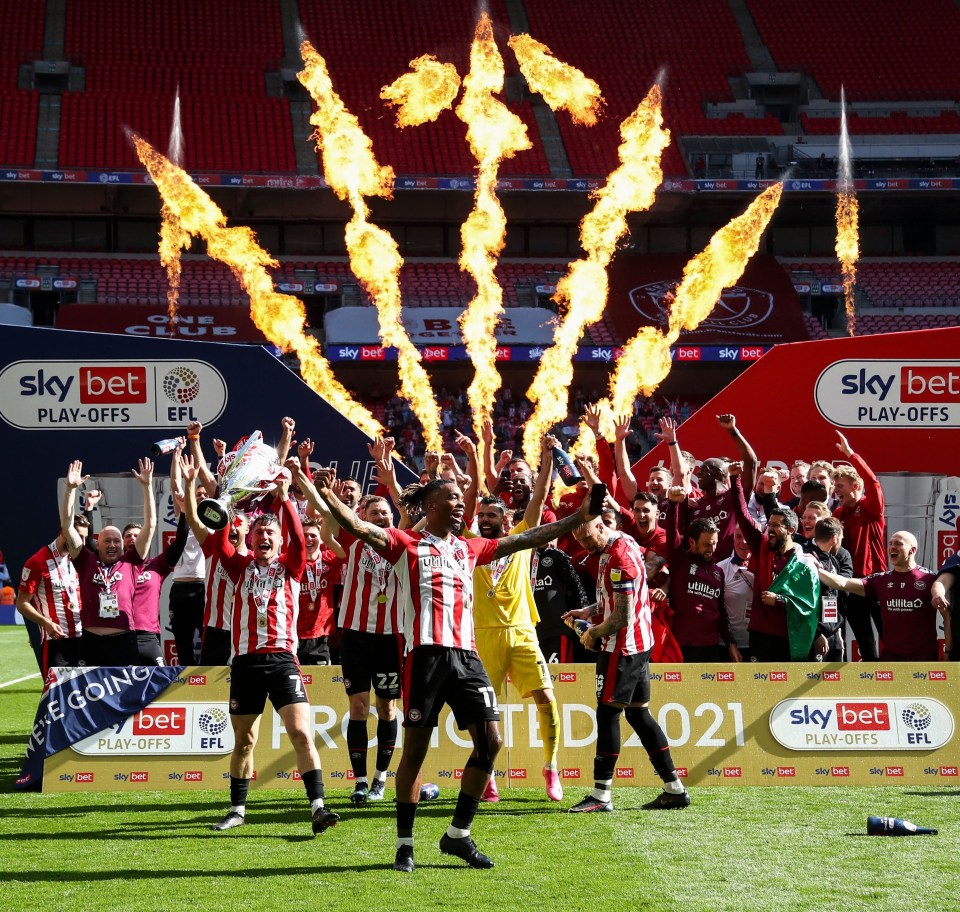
748,525
287,428
678,465
75,478
176,481
628,481
747,456
347,518
538,497
676,497
472,491
145,477
204,474
490,472
533,538
189,470
872,501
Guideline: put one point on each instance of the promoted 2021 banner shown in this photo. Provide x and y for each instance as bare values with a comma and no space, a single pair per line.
750,724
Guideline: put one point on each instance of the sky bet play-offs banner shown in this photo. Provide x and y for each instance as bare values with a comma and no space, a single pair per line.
752,724
105,398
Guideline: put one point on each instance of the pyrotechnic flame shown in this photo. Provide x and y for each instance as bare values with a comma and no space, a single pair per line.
280,317
494,133
630,188
422,94
563,87
173,238
353,172
586,444
645,361
848,220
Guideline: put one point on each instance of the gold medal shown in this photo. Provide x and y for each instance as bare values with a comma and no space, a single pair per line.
312,606
261,621
382,599
490,593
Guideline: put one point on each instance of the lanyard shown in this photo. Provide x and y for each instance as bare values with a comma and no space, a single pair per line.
534,564
380,575
314,571
60,561
498,568
261,582
105,579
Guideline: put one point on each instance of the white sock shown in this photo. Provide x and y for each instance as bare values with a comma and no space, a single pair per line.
360,780
456,833
240,809
674,788
380,775
404,840
601,790
316,803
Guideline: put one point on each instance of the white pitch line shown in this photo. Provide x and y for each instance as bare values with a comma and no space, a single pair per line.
36,674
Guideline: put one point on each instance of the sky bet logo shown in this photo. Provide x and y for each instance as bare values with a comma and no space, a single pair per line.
97,385
889,393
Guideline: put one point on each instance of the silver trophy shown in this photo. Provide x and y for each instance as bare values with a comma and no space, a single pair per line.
249,471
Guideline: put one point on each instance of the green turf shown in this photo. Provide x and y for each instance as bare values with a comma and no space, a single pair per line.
735,849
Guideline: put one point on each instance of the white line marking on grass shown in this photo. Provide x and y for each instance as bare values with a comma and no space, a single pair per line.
36,674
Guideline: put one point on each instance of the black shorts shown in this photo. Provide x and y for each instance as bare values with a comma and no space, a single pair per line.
371,660
216,646
434,675
64,653
149,649
623,680
256,676
313,651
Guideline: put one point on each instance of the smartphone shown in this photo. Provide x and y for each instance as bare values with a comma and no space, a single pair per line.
598,494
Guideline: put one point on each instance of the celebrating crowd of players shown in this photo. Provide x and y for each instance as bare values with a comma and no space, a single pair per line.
481,578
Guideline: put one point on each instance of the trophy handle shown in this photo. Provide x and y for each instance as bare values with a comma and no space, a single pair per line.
214,513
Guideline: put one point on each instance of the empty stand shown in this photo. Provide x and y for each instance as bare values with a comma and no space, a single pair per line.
906,283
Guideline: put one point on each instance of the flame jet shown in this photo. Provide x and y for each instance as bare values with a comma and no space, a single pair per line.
278,316
494,132
563,87
645,361
422,94
848,220
353,172
173,238
630,188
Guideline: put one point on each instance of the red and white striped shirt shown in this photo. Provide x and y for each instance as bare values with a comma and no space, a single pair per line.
315,617
436,585
218,609
621,572
266,599
51,580
369,602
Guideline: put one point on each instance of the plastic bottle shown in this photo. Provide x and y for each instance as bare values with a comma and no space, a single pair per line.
896,826
566,468
429,791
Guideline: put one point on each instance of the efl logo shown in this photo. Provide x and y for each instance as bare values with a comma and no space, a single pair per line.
863,717
778,676
156,721
83,777
883,676
948,771
929,384
786,771
193,776
725,676
624,772
894,771
518,774
112,385
570,772
840,771
307,679
195,680
732,772
139,777
673,677
937,675
831,676
567,677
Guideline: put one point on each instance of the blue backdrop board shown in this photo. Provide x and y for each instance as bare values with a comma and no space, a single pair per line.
105,398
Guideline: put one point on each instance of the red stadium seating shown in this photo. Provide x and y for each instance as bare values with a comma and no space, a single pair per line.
897,122
21,42
870,324
906,283
882,50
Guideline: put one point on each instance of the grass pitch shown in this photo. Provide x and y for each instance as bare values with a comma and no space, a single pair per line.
736,848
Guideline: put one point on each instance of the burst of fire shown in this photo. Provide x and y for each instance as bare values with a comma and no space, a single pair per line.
586,444
562,86
848,219
422,94
280,317
352,170
630,188
848,250
173,238
494,132
645,361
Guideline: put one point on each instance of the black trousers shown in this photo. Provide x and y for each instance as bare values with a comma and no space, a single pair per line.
186,618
